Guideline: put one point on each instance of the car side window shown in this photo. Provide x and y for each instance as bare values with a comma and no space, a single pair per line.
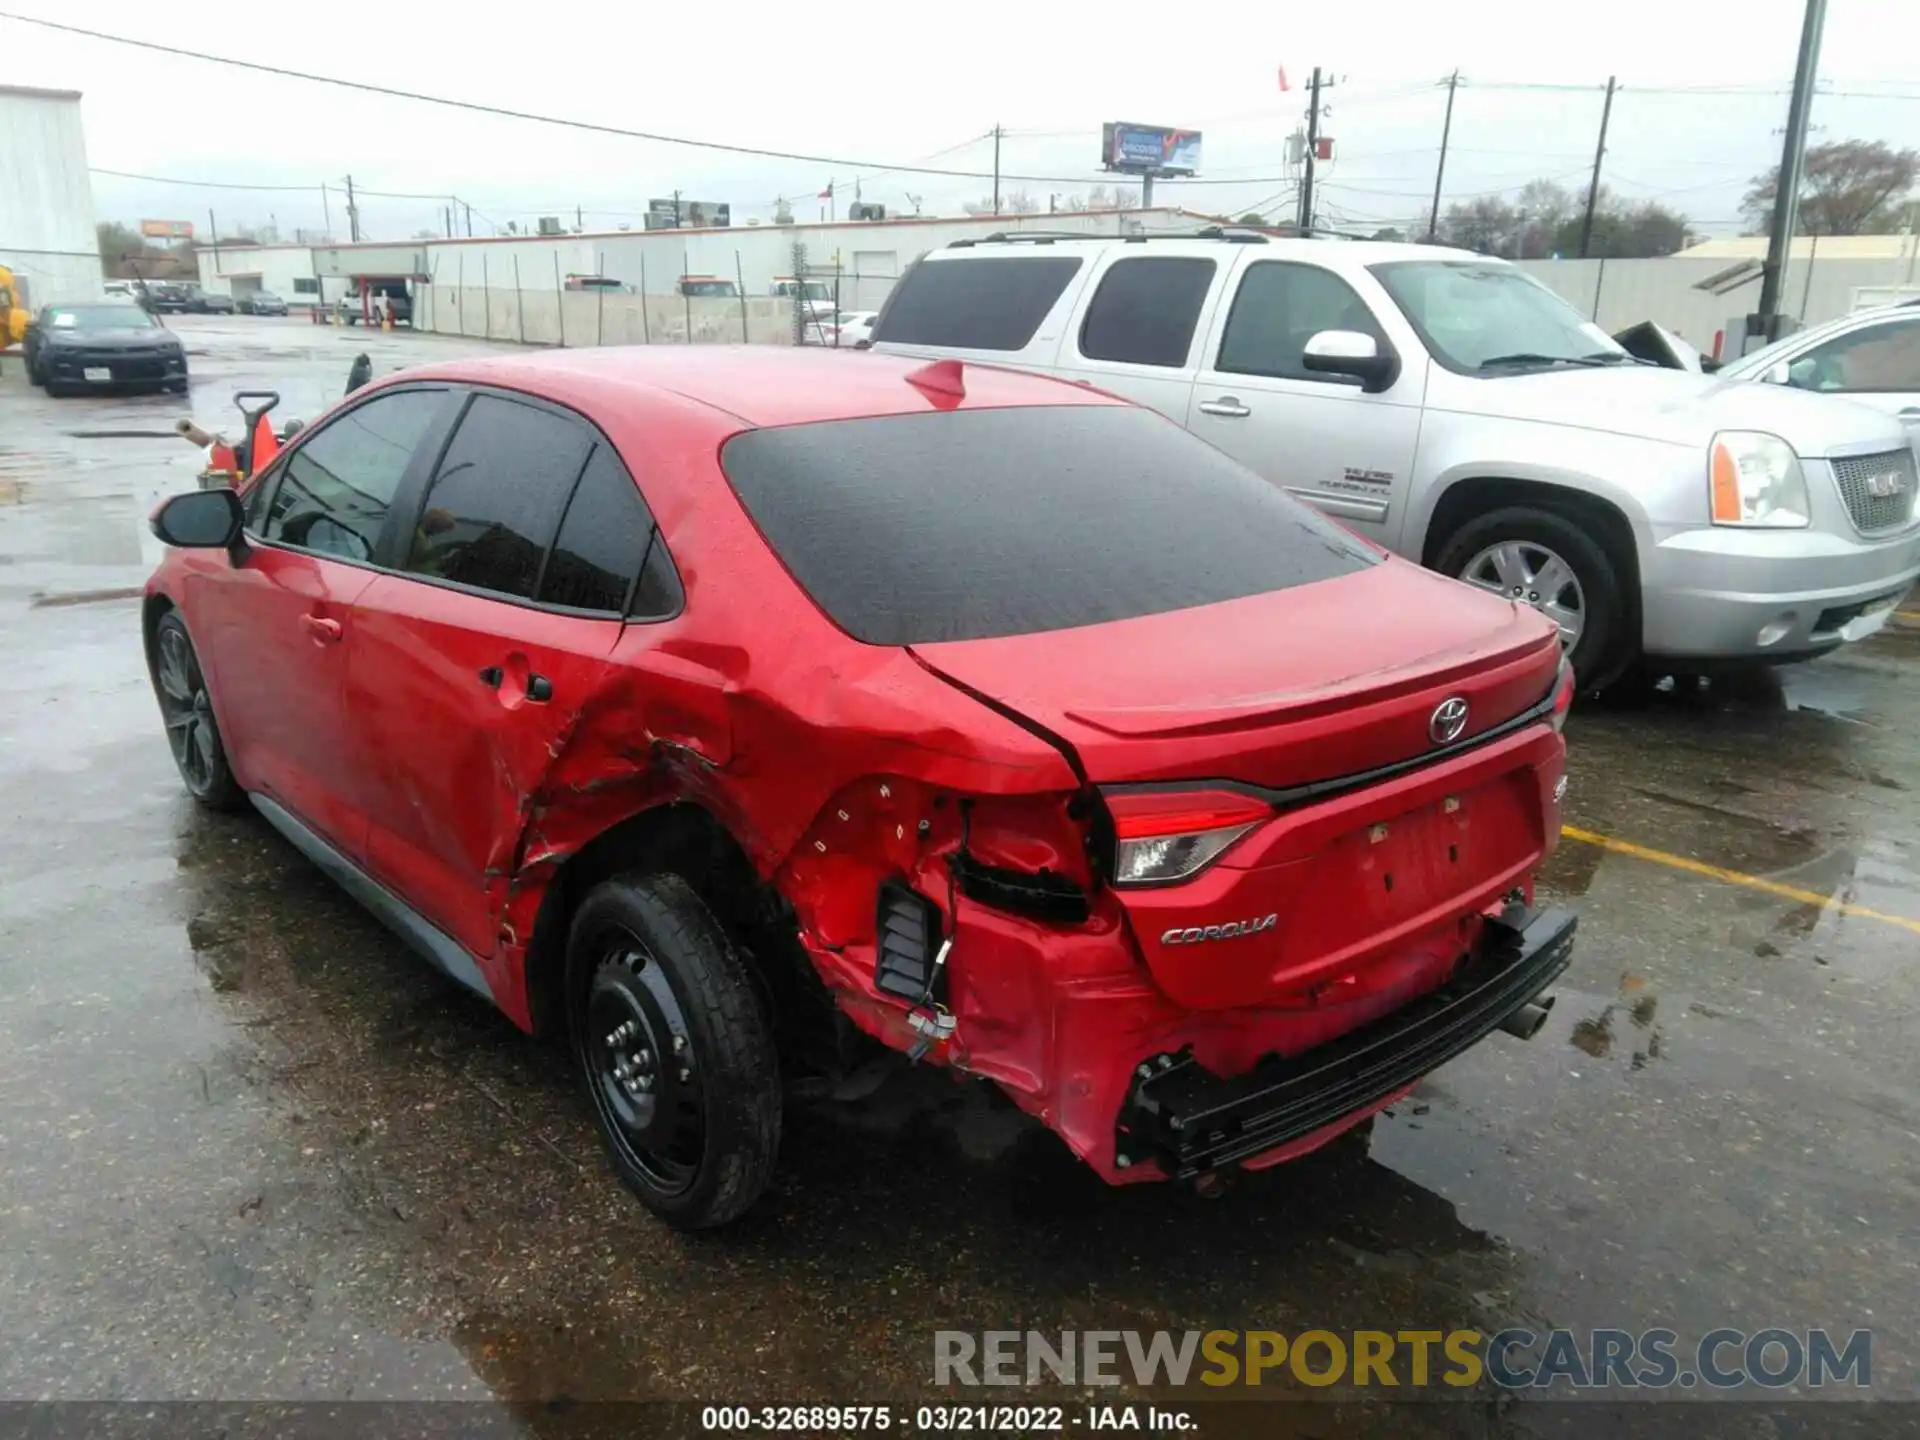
605,544
336,487
1280,306
495,502
1145,310
1876,357
975,303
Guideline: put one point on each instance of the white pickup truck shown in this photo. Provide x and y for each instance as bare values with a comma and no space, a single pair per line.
1460,413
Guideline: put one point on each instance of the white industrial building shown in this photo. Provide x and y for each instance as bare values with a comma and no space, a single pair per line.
283,270
47,234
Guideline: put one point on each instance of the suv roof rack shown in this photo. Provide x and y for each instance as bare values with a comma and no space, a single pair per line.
1231,234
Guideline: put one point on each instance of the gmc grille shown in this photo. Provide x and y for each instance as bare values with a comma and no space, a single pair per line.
1872,514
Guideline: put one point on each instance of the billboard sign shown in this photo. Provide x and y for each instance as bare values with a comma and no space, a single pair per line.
686,215
1149,149
167,229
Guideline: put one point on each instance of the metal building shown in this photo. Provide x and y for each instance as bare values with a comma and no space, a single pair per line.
47,235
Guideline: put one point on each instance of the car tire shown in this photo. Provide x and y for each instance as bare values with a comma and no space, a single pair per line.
671,1042
187,709
1540,535
178,387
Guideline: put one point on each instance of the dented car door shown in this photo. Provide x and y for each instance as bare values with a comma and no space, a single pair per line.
469,672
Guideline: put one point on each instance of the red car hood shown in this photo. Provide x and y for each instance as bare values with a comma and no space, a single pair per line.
1310,683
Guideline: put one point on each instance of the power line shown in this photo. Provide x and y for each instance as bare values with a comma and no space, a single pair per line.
476,107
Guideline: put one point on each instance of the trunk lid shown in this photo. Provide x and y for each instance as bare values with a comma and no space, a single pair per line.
1276,690
1349,891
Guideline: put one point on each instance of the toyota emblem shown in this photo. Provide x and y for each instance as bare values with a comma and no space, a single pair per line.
1449,719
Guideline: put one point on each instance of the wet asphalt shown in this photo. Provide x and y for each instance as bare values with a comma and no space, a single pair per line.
250,1148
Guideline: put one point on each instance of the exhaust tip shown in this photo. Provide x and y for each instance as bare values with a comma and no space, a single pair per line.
1525,1022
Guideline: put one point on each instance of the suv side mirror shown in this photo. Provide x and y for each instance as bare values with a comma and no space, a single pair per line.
1351,352
199,520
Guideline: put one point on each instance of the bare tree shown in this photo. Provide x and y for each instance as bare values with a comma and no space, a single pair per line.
1848,187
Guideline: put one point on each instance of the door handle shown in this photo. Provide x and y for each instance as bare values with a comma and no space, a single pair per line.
323,630
1912,412
1226,405
539,689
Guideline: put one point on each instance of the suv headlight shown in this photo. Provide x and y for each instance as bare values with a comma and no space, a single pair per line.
1755,479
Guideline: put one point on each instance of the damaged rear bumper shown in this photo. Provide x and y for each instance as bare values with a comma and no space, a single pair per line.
1187,1120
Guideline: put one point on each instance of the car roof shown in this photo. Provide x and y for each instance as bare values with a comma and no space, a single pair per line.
763,385
1333,253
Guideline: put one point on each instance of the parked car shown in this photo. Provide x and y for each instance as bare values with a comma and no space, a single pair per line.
1460,413
211,302
70,348
785,715
1872,356
261,302
167,297
847,330
396,296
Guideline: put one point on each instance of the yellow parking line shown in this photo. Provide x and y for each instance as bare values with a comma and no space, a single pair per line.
1736,877
1908,614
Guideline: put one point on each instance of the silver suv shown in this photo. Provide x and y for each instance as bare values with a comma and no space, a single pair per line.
1460,413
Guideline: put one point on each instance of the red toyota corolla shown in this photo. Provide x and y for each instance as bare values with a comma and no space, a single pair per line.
731,711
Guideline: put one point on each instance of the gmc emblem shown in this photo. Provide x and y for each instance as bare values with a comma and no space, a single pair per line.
1232,930
1886,485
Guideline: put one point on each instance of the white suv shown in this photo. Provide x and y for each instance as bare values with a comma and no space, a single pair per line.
1460,413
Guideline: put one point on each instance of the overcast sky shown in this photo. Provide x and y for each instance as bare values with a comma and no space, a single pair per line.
907,84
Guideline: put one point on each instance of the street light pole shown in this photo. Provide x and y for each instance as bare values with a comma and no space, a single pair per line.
1786,194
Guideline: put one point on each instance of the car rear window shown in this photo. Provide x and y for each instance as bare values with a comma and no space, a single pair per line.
970,524
975,304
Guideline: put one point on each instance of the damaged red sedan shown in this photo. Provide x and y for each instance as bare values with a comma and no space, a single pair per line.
736,714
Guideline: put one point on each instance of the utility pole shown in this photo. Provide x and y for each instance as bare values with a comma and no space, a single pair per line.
996,169
1593,189
579,222
1446,134
213,229
1313,147
1786,194
469,221
326,212
353,214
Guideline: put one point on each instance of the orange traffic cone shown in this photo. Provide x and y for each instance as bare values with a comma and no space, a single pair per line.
266,444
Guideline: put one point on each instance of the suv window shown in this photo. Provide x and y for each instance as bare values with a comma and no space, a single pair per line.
496,499
1279,307
1875,357
975,304
968,524
336,487
603,544
1145,310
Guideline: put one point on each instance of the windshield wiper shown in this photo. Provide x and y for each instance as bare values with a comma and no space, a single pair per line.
1526,357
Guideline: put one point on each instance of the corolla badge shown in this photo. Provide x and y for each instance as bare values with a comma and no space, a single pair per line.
1886,485
1232,930
1449,718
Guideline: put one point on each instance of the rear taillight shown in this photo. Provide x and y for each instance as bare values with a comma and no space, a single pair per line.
1562,695
1165,835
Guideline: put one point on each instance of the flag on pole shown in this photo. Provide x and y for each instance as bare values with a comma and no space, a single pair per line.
1283,77
826,194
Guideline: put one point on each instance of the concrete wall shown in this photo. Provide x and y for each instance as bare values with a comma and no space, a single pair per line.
1619,293
581,318
47,235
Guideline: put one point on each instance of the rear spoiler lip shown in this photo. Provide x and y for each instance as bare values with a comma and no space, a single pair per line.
1293,796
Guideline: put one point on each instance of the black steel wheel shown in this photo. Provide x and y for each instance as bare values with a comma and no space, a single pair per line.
187,709
673,1049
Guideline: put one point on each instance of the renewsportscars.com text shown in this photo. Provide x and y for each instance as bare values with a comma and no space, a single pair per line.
1724,1359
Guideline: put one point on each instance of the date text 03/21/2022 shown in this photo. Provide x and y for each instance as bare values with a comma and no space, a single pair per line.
944,1419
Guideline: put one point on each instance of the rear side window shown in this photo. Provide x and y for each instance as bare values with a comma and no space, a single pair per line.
1145,310
335,489
975,304
496,500
967,524
603,540
1279,307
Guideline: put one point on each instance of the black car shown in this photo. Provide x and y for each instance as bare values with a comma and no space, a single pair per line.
70,348
167,297
211,302
260,302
